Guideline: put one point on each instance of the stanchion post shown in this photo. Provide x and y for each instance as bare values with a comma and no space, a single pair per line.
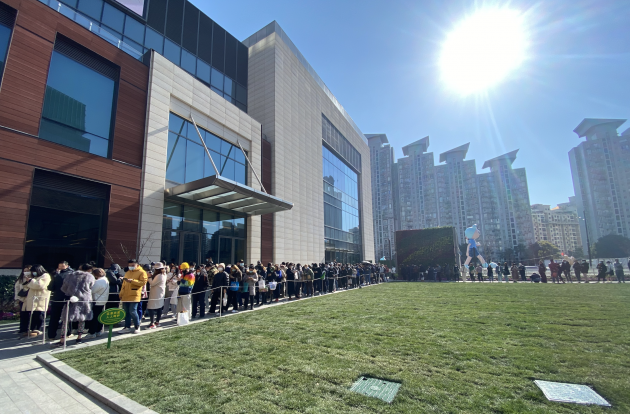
65,328
221,302
44,331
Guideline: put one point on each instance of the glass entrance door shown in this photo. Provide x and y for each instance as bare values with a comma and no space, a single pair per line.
190,248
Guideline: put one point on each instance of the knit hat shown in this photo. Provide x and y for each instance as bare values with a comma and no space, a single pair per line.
184,266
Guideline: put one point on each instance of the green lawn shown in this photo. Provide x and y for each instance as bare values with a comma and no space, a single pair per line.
456,348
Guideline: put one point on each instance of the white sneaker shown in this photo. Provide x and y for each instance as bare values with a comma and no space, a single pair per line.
135,331
124,331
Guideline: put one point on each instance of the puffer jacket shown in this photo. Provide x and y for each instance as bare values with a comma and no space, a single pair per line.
79,284
251,277
38,294
132,291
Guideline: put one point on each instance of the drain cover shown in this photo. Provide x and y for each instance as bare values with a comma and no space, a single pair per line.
570,393
378,388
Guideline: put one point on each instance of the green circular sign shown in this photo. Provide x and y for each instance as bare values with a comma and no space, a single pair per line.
111,316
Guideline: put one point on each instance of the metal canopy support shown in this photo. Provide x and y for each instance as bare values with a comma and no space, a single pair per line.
251,166
204,145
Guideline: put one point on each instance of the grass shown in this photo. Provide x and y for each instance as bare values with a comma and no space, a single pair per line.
456,348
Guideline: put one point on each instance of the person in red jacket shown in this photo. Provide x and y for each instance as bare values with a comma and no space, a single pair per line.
554,268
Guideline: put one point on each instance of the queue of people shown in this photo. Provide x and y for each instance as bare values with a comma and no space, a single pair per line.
76,298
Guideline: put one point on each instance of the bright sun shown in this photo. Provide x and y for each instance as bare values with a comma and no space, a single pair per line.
483,50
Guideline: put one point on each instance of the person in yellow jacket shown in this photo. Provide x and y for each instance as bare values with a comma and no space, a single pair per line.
130,294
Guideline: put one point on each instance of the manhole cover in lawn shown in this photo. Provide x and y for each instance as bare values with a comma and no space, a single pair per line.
378,388
570,393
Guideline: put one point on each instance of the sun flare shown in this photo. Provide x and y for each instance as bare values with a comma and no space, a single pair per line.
483,49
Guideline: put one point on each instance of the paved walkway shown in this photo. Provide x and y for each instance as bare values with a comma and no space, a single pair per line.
28,387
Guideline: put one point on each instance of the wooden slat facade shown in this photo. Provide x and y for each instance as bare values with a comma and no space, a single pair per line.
21,100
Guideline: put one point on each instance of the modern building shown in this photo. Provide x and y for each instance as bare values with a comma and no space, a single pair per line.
601,178
559,226
453,194
383,204
127,131
320,159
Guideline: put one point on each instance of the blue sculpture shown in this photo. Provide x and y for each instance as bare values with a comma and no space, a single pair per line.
472,233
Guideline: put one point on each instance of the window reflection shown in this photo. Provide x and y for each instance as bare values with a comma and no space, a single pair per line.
188,161
78,106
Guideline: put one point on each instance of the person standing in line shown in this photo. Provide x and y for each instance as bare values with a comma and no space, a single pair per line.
542,270
554,268
219,289
514,270
290,280
251,278
78,287
619,271
235,284
584,267
308,276
521,271
565,268
368,275
261,299
20,292
601,272
577,269
479,270
157,282
58,298
130,294
186,284
114,281
172,287
35,305
491,272
100,296
471,272
199,292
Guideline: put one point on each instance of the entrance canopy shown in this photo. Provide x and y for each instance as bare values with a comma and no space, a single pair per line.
218,191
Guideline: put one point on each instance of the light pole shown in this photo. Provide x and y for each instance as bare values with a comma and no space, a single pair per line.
588,241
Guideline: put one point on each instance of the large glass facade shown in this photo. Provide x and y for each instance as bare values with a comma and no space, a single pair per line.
78,106
192,234
341,210
177,30
188,161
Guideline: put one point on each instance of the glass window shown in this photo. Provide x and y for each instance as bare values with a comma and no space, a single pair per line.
194,161
238,155
176,158
217,91
239,173
211,222
208,169
226,148
189,62
113,18
172,51
170,246
192,219
241,94
213,143
177,124
172,218
203,71
154,40
5,38
92,8
229,87
217,80
78,106
134,29
228,169
227,224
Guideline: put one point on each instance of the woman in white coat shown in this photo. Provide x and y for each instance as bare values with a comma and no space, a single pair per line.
156,294
36,301
100,295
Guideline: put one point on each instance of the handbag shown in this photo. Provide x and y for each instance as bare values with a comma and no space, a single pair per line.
234,286
272,285
182,319
23,293
224,301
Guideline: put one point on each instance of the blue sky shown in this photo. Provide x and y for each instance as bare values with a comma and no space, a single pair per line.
379,58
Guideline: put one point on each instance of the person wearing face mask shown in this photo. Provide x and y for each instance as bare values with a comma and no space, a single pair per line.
199,292
186,284
114,278
100,294
290,272
219,289
250,278
130,294
157,282
58,297
35,303
172,287
78,288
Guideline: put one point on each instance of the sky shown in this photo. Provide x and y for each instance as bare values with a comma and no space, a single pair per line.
380,60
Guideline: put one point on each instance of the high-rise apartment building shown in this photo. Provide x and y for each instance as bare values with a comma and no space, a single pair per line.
601,178
559,226
382,163
453,194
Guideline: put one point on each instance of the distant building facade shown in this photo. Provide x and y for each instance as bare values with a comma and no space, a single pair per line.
559,226
601,178
382,162
453,194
